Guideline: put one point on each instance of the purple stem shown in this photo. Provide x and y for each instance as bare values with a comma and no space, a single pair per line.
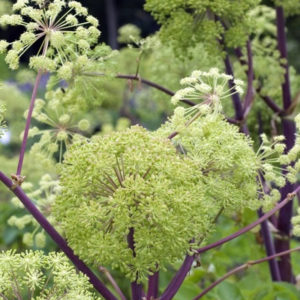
265,217
265,231
178,279
235,97
58,239
142,80
250,94
244,267
28,121
281,38
289,130
272,104
270,248
153,286
136,288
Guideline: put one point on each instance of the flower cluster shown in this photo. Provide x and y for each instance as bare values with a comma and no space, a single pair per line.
187,23
63,127
207,90
130,201
33,275
44,198
62,28
223,154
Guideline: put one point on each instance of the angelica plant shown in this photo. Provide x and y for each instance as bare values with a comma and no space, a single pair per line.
138,201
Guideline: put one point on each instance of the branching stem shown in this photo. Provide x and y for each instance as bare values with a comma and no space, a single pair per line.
252,225
58,239
244,267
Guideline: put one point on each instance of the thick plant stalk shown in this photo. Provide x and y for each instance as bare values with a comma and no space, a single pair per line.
270,249
136,288
244,267
265,230
289,130
153,285
235,97
57,238
178,279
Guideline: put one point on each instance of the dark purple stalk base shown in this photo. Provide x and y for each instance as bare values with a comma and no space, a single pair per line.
235,97
153,286
289,130
270,249
178,279
58,239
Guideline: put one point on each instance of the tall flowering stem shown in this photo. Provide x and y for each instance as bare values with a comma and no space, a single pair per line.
30,111
289,130
58,239
235,97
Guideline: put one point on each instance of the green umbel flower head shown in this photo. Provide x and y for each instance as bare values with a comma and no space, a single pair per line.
131,201
188,22
32,275
223,154
207,90
63,28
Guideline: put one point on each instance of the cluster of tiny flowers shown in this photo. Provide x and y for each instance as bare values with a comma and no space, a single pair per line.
62,28
43,198
131,186
33,275
207,90
63,127
223,154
